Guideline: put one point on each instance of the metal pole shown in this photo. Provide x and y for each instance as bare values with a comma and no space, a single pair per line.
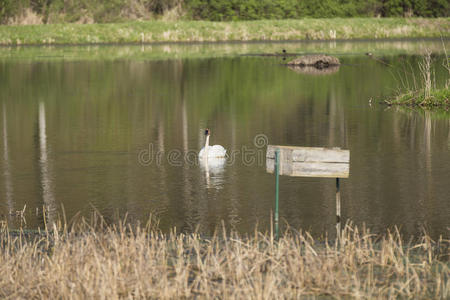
277,184
338,208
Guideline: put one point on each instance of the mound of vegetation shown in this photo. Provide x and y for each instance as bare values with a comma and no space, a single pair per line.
435,98
427,95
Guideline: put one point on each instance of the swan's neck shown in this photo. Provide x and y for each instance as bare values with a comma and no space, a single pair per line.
207,145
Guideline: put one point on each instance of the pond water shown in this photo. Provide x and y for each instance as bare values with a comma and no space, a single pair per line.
117,129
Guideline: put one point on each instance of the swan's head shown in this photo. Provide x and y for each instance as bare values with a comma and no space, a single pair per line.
206,131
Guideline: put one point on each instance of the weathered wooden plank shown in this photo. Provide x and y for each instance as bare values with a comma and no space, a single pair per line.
306,169
309,154
310,162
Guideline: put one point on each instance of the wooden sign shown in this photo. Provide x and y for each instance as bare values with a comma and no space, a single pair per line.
309,162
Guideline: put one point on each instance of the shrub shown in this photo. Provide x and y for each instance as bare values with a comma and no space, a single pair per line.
101,11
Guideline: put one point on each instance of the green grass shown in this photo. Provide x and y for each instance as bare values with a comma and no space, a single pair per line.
202,31
437,98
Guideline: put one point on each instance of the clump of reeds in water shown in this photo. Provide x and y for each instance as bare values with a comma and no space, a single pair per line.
426,96
98,261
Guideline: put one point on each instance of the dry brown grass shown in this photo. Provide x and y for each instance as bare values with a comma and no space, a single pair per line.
118,261
27,17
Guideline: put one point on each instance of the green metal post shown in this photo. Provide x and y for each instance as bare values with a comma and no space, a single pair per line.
277,184
338,208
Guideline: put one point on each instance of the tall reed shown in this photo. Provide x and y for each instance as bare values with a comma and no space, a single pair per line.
425,71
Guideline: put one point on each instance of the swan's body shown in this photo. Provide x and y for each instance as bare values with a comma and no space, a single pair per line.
213,165
216,151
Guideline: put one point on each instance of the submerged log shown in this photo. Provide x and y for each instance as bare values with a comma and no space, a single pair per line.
319,61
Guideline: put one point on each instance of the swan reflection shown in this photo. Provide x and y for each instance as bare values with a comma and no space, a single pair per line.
212,161
214,171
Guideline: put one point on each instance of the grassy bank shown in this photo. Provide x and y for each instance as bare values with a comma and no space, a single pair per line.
111,262
200,31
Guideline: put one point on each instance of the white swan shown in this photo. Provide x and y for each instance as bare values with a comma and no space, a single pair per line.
208,151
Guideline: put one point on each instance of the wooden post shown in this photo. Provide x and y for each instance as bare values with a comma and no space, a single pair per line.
338,209
277,184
